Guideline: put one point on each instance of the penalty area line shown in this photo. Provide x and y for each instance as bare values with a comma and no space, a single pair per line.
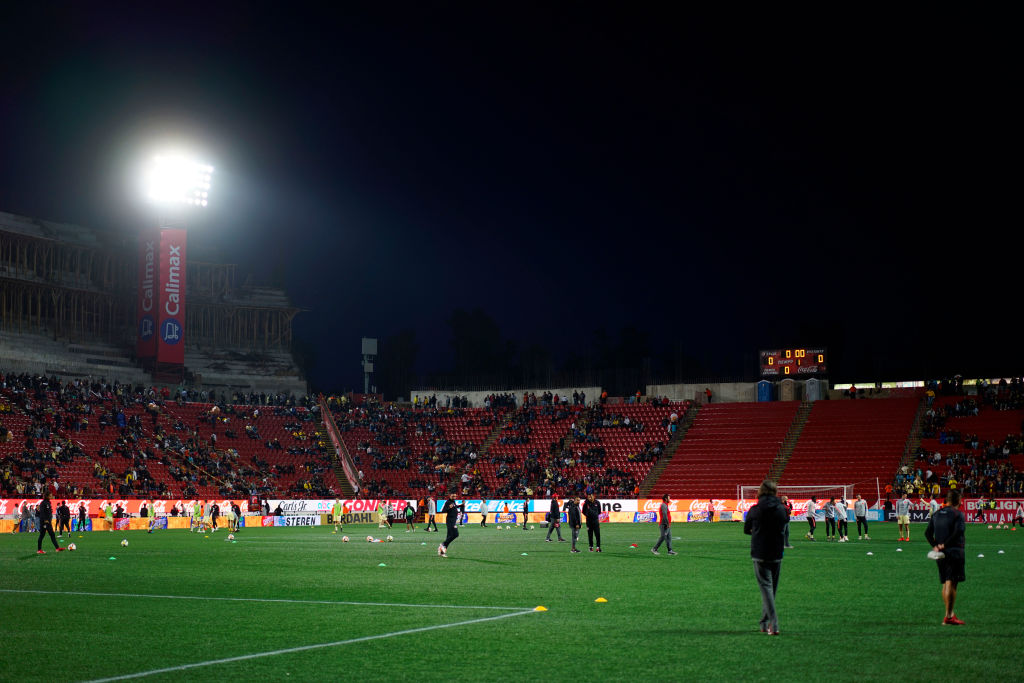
306,648
268,600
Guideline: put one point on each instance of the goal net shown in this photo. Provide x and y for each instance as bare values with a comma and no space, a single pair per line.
823,492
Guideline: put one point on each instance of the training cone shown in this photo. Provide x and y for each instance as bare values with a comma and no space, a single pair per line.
1001,552
980,555
601,600
111,558
540,608
870,553
523,554
381,565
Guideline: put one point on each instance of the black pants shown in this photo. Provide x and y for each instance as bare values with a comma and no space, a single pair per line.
843,529
860,521
63,525
44,528
453,533
811,523
81,523
830,527
483,520
594,532
431,520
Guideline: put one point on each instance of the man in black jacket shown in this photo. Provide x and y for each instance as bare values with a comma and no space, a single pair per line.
453,513
572,514
63,518
945,533
554,520
44,517
766,524
592,513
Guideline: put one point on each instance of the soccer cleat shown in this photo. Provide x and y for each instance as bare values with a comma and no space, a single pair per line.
573,550
952,621
591,550
440,550
60,550
548,540
866,537
598,550
672,552
40,552
655,551
562,540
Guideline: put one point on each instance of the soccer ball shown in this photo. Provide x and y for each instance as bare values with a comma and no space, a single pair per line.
124,542
989,526
72,546
999,526
531,527
344,539
369,539
390,538
231,537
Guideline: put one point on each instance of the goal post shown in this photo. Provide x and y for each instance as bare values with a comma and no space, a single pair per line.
821,492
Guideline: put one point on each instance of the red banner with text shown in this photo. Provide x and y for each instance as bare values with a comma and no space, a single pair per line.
171,330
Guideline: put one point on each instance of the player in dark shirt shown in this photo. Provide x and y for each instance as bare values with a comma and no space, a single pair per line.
453,513
945,533
44,517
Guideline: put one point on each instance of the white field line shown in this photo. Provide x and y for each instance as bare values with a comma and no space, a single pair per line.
275,600
304,648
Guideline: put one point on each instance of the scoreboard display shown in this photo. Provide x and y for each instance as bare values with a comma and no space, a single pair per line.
794,362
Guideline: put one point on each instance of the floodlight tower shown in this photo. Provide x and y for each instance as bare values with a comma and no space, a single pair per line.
176,185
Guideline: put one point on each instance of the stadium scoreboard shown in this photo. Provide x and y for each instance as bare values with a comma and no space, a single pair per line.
809,362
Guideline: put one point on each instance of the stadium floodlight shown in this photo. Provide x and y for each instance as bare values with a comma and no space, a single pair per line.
176,179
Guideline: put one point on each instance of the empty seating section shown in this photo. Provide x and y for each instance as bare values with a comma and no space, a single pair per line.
729,444
851,442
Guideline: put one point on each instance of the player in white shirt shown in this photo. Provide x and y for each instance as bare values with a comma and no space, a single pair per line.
903,517
812,507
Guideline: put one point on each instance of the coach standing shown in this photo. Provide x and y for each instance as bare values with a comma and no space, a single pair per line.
766,524
572,515
945,533
664,526
592,513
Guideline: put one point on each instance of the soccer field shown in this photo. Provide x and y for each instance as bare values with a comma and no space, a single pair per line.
298,604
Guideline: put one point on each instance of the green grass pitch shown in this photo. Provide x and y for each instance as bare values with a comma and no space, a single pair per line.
298,604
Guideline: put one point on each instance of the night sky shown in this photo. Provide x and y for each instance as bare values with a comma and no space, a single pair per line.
722,184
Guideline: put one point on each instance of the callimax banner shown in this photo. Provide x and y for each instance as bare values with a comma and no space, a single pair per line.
170,331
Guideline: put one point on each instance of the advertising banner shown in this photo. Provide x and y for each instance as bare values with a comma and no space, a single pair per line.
145,332
323,507
121,524
131,506
171,298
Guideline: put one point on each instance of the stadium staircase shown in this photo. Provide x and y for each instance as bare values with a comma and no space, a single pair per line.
729,444
344,487
682,427
792,437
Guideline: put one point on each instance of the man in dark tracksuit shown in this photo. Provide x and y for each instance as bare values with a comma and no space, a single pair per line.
554,520
572,510
83,517
592,512
44,517
453,513
766,524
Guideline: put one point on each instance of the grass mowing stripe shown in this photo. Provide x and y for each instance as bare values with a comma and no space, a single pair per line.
306,648
284,600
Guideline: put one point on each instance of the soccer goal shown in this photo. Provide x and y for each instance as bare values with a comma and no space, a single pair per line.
823,492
